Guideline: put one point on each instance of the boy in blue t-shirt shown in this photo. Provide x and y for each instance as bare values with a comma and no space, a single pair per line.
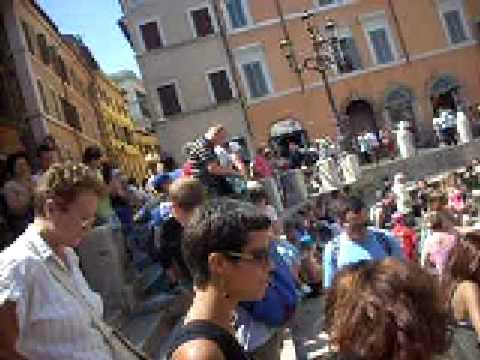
356,242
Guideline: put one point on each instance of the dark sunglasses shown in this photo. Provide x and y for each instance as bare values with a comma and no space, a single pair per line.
259,256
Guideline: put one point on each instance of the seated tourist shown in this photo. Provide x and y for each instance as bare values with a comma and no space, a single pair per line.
461,289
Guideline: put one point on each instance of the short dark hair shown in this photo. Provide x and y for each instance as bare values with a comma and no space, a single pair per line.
12,161
351,204
91,153
219,225
257,194
187,193
42,148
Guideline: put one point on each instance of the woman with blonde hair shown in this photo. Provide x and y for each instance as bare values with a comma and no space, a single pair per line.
47,310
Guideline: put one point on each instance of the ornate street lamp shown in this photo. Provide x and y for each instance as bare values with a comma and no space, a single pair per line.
327,56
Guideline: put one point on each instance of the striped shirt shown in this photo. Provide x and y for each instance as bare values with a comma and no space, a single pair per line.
53,323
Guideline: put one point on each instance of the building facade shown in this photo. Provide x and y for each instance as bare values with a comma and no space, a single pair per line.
13,129
136,98
186,69
121,144
55,81
405,59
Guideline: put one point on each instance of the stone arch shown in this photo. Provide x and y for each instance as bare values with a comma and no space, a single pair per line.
444,92
360,117
399,103
286,130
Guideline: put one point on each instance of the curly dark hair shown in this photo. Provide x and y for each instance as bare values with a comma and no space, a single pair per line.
219,225
388,310
463,264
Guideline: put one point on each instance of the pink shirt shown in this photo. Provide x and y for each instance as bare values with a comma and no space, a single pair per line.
262,166
455,200
436,249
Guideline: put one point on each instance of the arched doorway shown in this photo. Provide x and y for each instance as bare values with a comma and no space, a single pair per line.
285,131
444,94
400,106
361,117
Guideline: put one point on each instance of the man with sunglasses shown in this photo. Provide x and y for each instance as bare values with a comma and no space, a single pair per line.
260,324
357,241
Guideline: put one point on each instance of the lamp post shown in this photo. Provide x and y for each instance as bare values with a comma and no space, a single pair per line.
327,55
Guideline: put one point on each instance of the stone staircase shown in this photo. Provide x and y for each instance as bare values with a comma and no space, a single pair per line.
137,302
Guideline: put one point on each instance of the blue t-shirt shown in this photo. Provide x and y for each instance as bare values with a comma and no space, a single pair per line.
351,252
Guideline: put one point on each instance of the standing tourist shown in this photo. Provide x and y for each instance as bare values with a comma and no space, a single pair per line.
225,242
47,309
204,164
356,242
18,193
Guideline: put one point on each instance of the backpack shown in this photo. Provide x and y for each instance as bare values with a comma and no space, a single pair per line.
380,237
280,301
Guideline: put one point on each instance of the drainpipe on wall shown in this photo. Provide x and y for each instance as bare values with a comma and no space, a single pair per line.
233,70
286,36
398,27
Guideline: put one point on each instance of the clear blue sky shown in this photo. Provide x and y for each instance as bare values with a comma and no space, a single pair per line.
96,22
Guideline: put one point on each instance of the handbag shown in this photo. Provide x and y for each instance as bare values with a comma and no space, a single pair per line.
121,347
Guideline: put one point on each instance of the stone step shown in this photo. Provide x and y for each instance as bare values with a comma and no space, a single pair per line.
153,320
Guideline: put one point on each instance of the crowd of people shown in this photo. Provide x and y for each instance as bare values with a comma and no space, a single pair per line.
400,278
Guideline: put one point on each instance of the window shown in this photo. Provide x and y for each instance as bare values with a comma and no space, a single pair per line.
62,70
42,45
379,38
321,3
237,13
253,69
169,99
56,110
453,20
350,54
70,114
28,37
43,96
151,35
202,22
257,84
219,83
381,46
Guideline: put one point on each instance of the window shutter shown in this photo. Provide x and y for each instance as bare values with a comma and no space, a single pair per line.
169,100
455,26
255,79
381,45
236,13
202,22
151,36
221,86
